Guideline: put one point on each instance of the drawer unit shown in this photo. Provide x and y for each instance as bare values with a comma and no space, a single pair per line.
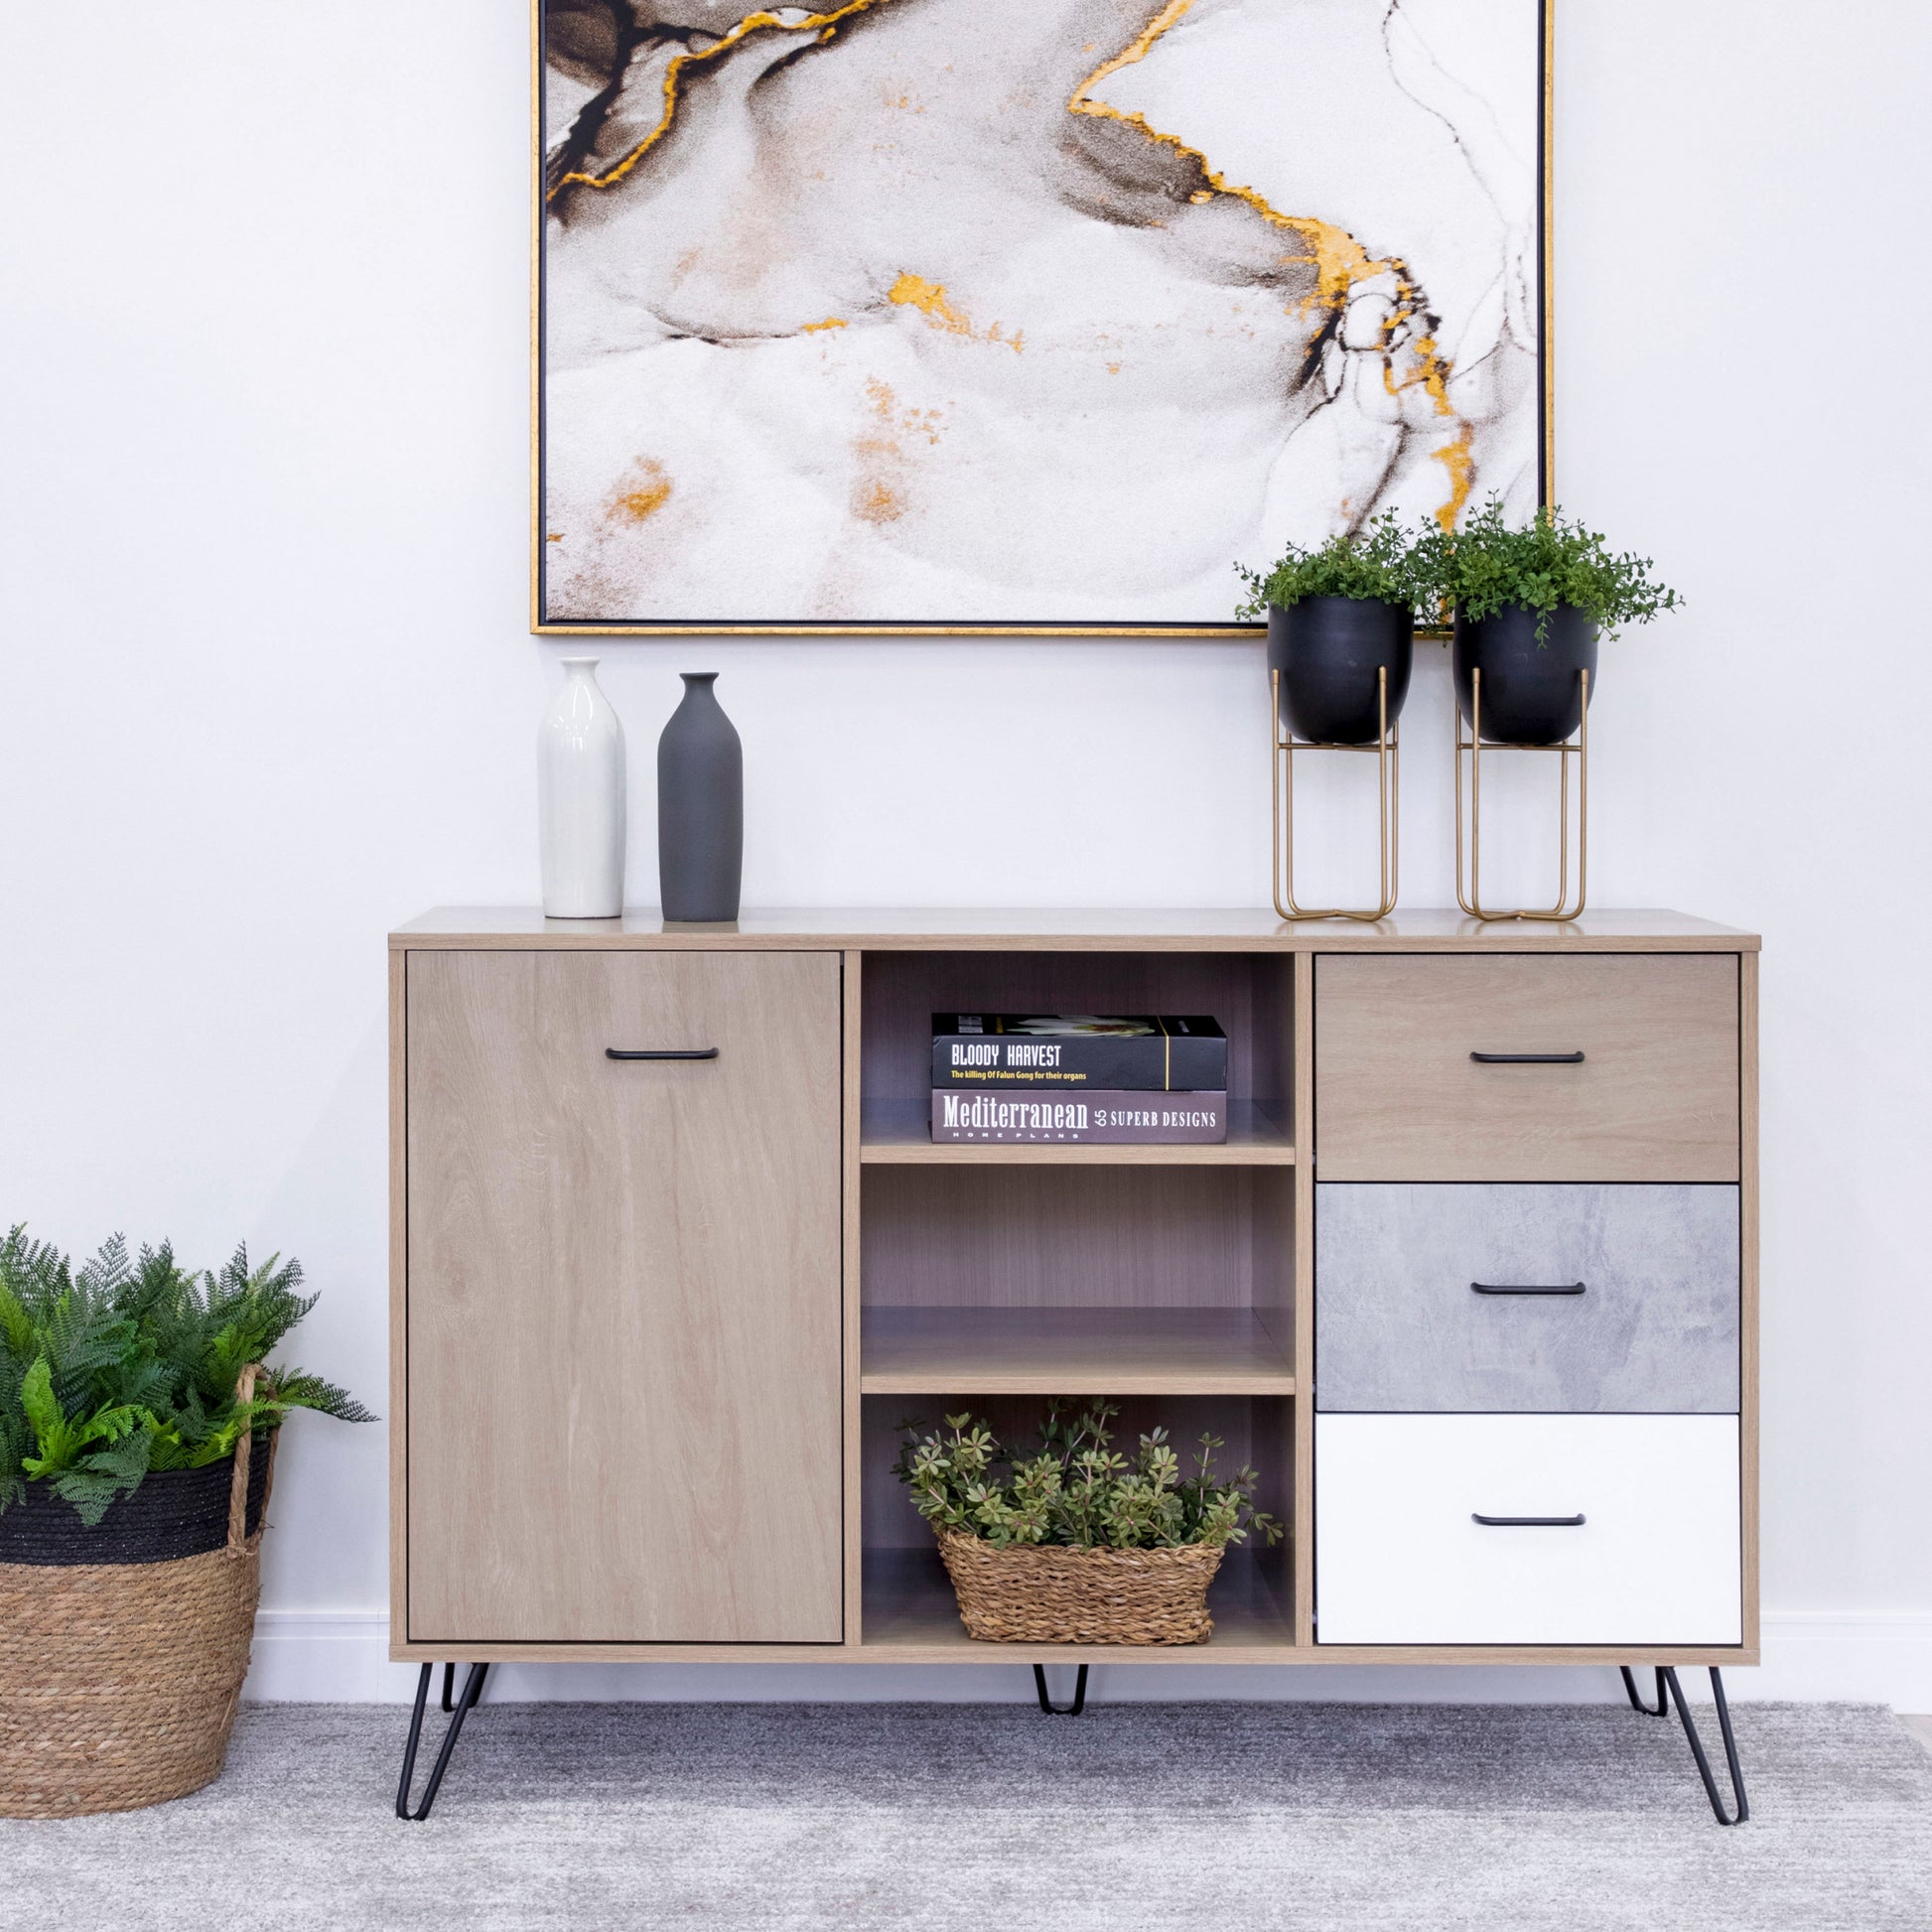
1634,1536
1507,1295
1509,1066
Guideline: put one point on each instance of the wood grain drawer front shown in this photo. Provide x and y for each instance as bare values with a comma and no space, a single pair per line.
623,1299
1540,1295
1654,1097
1400,1558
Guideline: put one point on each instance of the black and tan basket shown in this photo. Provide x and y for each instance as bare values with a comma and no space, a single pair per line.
1047,1594
123,1647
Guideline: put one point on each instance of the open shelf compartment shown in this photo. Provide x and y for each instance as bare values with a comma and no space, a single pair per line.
1250,994
994,1276
908,1605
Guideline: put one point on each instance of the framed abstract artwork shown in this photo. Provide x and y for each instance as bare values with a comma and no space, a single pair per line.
1022,315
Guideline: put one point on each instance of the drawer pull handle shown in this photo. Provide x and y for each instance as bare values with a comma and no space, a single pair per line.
1528,1059
1488,1287
660,1052
1528,1522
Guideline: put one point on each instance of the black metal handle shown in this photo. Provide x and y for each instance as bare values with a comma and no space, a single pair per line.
1528,1059
660,1052
1528,1522
1489,1287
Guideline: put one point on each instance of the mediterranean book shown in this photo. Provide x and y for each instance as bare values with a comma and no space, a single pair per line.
1162,1054
1115,1117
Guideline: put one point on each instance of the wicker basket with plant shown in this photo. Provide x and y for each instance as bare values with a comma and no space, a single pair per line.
137,1438
1078,1543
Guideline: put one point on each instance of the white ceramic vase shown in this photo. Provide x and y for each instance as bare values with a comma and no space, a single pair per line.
581,799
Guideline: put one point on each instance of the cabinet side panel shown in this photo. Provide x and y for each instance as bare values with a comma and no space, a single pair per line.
398,1297
1747,1203
623,1346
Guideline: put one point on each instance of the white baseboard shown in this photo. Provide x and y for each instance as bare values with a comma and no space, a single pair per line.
1810,1656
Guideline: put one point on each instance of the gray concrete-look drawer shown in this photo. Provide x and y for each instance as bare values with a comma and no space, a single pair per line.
1398,1325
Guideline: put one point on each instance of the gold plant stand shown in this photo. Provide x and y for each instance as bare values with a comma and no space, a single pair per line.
1387,750
1471,900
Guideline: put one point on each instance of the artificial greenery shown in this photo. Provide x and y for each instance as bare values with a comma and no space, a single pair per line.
1379,563
123,1368
1486,566
1074,1490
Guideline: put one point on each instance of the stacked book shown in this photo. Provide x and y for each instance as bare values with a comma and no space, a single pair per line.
1007,1077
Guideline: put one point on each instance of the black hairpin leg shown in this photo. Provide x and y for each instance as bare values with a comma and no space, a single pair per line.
1669,1676
1047,1705
1662,1709
472,1690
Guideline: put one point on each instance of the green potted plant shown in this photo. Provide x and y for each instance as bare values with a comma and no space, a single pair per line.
1339,614
1530,604
1078,1543
138,1422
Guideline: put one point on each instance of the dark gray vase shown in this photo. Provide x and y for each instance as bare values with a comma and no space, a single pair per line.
700,807
1531,693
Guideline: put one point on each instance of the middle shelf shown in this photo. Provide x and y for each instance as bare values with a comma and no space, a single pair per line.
907,1350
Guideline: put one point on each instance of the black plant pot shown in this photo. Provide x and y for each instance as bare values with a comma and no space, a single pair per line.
700,807
1328,650
1531,693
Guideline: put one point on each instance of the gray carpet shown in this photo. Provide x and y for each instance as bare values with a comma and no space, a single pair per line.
982,1817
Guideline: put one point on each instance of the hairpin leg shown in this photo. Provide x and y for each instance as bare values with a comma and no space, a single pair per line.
1054,1709
472,1690
1669,1676
1662,1709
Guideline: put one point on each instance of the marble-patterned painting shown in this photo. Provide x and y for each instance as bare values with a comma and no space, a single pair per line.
1031,312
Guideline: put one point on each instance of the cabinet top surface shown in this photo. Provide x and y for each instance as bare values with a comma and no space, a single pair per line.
945,928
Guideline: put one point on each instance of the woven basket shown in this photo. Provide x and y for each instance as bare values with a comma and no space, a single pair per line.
1046,1594
120,1671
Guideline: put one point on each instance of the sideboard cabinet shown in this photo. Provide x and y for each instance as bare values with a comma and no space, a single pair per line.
1472,1282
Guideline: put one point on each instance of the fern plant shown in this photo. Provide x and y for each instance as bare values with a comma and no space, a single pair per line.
126,1367
1074,1490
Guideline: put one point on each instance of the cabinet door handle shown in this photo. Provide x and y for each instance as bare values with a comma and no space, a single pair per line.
1528,1522
1528,1059
1489,1287
660,1052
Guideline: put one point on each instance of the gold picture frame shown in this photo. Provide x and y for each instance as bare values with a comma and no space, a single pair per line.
675,627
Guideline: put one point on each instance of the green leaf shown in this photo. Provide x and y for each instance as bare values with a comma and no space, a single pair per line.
43,1412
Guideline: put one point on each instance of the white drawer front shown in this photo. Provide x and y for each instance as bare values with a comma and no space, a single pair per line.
1399,1558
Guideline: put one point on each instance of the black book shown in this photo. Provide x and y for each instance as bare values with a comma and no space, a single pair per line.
1026,1051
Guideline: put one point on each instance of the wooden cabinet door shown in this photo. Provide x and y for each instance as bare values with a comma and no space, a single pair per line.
623,1299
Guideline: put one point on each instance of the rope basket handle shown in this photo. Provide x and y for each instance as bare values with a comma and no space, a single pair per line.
239,1543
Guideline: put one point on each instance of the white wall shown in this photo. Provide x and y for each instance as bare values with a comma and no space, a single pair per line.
265,690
